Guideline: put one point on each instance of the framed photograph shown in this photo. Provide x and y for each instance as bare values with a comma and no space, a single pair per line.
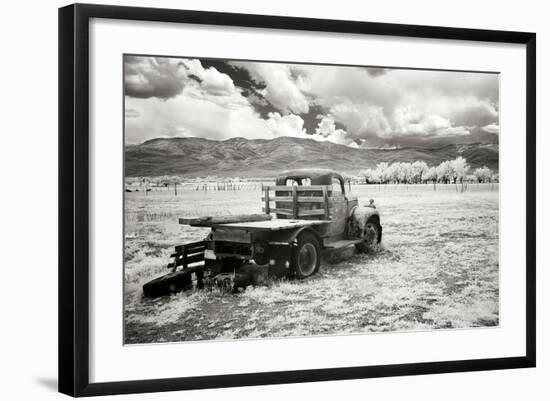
251,199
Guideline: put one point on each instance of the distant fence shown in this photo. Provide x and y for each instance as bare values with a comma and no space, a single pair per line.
449,187
259,186
206,187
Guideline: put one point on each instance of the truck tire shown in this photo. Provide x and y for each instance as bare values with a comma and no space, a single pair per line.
168,284
306,256
371,236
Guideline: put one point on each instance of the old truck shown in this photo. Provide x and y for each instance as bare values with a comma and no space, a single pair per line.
304,213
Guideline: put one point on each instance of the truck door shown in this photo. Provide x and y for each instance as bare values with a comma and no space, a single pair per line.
339,208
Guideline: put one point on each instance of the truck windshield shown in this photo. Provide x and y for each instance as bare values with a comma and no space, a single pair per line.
298,181
337,187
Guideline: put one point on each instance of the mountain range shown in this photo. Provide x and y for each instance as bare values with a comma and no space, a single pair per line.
199,157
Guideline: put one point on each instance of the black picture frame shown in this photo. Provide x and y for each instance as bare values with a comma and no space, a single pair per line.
74,198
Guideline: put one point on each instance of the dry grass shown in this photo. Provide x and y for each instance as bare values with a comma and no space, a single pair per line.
438,269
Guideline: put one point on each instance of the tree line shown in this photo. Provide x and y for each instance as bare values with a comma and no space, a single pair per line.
456,171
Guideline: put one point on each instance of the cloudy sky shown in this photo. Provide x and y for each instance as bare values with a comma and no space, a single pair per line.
353,106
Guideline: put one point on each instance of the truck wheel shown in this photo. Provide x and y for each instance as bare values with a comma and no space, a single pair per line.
372,235
306,256
167,284
261,259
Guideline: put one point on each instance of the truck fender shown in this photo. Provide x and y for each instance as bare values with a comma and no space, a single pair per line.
357,219
288,236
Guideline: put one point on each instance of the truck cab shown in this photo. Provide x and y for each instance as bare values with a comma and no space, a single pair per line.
339,203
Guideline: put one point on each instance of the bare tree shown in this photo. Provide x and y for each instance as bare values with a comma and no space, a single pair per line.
418,170
461,168
445,172
431,175
483,174
449,171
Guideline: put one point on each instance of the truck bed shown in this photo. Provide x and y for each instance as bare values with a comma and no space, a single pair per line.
271,225
209,221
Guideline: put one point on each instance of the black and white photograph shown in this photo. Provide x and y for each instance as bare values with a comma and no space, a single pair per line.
276,199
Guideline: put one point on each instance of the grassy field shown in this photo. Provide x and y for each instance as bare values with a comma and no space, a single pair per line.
438,269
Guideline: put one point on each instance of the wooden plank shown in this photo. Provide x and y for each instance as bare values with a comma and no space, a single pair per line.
274,225
294,202
193,244
189,259
208,221
278,198
312,212
306,199
266,196
179,254
223,234
301,199
190,246
300,212
193,249
300,187
198,257
286,212
192,269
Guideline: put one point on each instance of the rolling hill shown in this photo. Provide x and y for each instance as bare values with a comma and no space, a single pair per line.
242,157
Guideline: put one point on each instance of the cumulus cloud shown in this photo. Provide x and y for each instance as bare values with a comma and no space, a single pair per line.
372,105
410,121
362,120
491,128
165,78
327,128
281,88
330,85
188,115
146,77
293,126
353,106
212,81
287,125
327,131
462,110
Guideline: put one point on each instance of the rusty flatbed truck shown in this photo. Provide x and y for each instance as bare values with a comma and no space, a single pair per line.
305,212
